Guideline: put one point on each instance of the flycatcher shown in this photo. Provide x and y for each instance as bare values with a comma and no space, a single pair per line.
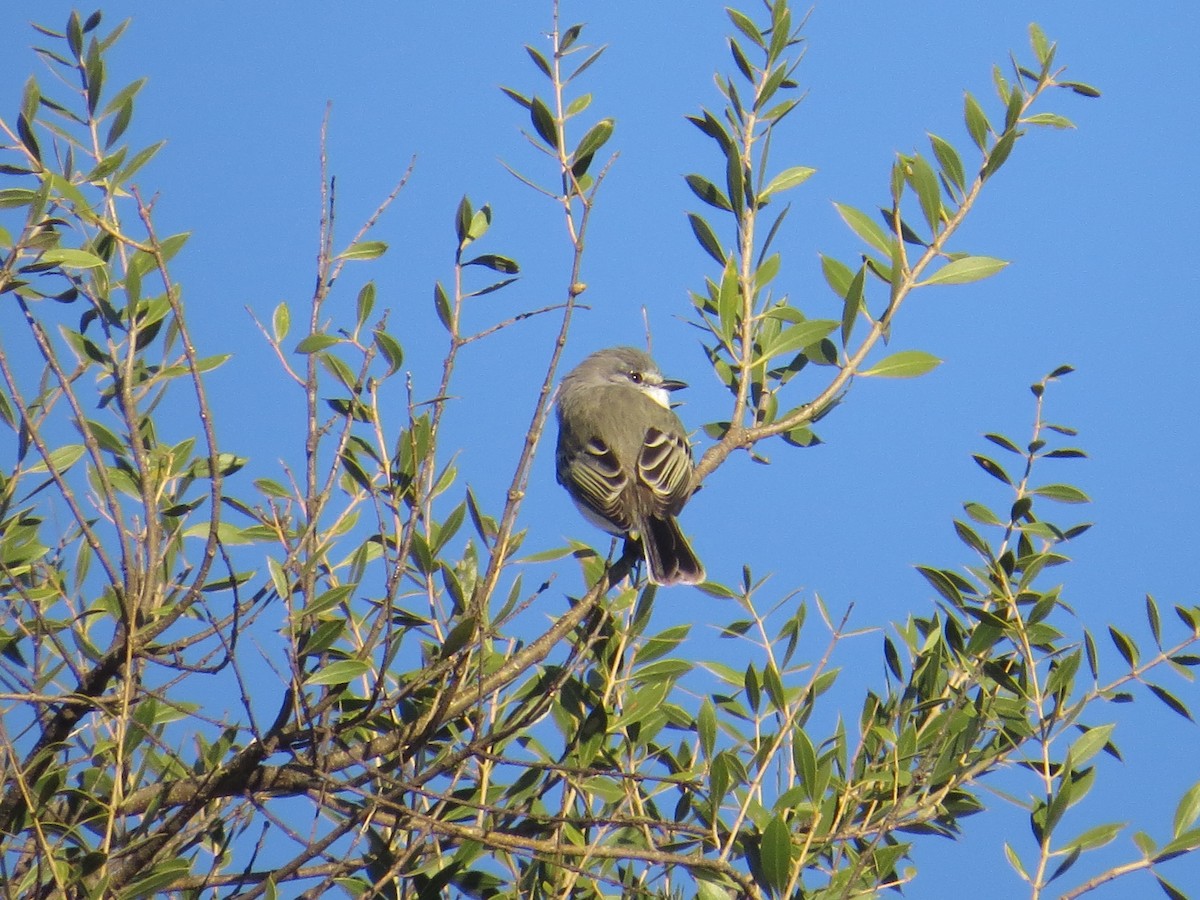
624,457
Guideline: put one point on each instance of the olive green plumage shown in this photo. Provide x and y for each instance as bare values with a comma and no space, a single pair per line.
624,457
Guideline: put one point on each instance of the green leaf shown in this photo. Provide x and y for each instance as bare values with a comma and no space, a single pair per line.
1145,843
576,106
495,286
750,684
736,180
966,270
364,250
774,686
168,247
1083,90
31,98
948,159
494,262
105,168
340,672
796,337
391,350
569,37
72,259
596,137
977,122
805,757
929,192
11,197
854,303
1089,645
708,890
775,80
1170,700
543,122
1187,811
61,458
773,230
1172,892
1051,119
744,24
227,464
545,555
539,60
1015,861
586,64
1089,744
729,300
365,303
1041,46
1012,111
864,226
711,127
892,658
706,237
1154,620
1001,441
968,536
119,124
837,274
1063,493
463,217
281,321
321,638
777,855
941,583
781,30
981,514
441,303
1094,837
314,343
1126,647
904,364
766,272
800,436
999,155
105,437
740,60
158,877
140,159
458,637
788,178
1180,844
706,728
25,133
340,371
335,596
123,96
708,192
94,69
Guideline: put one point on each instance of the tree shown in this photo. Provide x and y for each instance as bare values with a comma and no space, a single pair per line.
404,730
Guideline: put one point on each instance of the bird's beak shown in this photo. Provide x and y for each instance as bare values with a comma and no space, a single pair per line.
670,384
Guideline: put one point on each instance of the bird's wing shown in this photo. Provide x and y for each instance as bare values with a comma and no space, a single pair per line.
665,467
594,477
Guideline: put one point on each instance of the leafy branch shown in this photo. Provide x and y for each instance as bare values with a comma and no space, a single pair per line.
759,342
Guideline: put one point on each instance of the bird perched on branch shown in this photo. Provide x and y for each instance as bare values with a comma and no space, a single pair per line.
623,456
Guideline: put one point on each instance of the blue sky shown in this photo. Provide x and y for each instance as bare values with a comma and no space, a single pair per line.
1100,224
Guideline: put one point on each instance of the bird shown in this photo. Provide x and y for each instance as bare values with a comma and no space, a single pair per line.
624,458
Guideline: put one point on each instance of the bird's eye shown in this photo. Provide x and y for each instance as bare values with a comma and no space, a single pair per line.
635,377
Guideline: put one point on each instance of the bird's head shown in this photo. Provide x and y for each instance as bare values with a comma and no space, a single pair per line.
632,367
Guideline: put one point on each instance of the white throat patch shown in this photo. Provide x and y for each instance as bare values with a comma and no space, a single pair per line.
659,395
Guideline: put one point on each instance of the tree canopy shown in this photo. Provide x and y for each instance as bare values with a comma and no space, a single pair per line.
348,673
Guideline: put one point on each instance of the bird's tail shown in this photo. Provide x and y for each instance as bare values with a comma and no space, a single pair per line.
669,557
